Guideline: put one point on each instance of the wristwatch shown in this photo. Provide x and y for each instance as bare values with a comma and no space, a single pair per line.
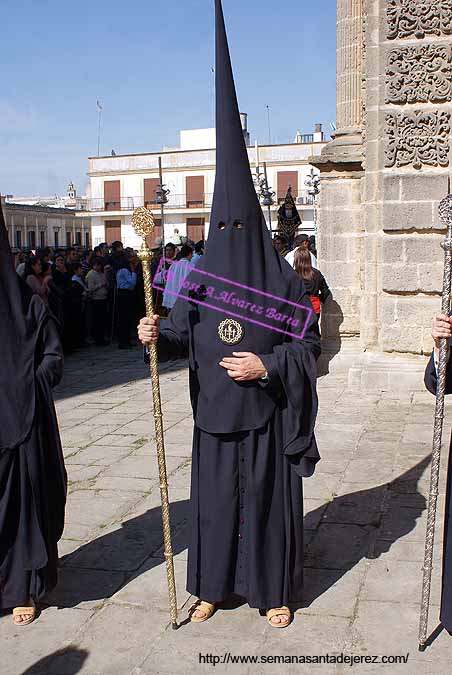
264,378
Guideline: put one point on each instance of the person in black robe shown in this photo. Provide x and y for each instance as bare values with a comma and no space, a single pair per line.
252,387
442,329
32,473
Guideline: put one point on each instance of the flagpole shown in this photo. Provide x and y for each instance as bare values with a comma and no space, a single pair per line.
269,126
99,110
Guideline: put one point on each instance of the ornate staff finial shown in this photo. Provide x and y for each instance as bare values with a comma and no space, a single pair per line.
445,210
143,222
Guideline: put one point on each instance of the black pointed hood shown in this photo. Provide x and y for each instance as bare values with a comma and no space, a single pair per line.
21,318
243,291
230,250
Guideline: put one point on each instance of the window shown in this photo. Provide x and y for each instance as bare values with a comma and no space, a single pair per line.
68,238
194,188
32,239
150,186
56,238
42,239
287,179
18,239
87,240
195,229
112,231
112,195
78,238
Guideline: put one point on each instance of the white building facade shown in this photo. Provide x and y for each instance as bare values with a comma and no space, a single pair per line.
32,226
121,183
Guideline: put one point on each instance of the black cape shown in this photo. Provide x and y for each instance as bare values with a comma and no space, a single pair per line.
32,474
446,594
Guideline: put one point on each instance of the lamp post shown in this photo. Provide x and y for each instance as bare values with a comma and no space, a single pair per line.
161,197
264,192
312,182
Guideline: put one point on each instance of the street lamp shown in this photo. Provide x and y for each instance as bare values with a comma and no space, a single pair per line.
265,193
313,183
161,197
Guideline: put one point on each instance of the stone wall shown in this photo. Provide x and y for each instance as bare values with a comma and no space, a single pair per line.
383,176
407,101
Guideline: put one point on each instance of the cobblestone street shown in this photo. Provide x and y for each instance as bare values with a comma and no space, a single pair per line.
365,517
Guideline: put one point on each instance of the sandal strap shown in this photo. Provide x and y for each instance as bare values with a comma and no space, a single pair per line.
278,611
204,606
20,611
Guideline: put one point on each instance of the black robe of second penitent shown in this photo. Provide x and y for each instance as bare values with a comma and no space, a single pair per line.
33,481
446,594
246,502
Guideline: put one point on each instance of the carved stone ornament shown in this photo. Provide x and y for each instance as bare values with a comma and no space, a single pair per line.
420,74
418,138
418,18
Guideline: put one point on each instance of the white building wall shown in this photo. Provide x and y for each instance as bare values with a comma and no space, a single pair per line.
132,170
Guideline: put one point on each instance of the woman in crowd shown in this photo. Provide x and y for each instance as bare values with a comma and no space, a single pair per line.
33,278
313,279
98,293
32,474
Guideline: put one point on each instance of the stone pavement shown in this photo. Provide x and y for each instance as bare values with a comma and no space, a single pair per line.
364,515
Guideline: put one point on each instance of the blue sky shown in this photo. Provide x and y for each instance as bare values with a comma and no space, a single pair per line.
150,65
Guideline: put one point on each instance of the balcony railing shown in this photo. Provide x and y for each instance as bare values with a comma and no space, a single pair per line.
175,201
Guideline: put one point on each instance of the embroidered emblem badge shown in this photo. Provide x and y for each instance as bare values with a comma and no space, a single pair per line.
230,332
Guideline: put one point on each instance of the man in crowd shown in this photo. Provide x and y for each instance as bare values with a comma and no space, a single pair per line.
302,241
170,252
175,276
199,252
72,256
280,244
126,281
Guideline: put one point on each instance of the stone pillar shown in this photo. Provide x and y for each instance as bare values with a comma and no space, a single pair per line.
349,102
347,143
341,221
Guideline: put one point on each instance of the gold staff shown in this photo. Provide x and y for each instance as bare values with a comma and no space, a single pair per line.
445,213
143,224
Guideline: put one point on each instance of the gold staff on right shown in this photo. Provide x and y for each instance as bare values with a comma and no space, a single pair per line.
445,213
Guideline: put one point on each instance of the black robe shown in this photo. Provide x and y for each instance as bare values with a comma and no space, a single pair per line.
246,498
33,488
446,594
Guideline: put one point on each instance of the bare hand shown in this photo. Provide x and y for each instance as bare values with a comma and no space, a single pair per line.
148,330
441,328
243,366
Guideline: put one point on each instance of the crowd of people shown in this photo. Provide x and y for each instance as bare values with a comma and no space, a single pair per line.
97,295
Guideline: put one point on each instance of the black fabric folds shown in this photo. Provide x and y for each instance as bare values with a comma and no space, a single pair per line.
21,318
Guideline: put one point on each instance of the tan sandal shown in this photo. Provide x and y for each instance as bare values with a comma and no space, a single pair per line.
30,611
205,607
279,611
